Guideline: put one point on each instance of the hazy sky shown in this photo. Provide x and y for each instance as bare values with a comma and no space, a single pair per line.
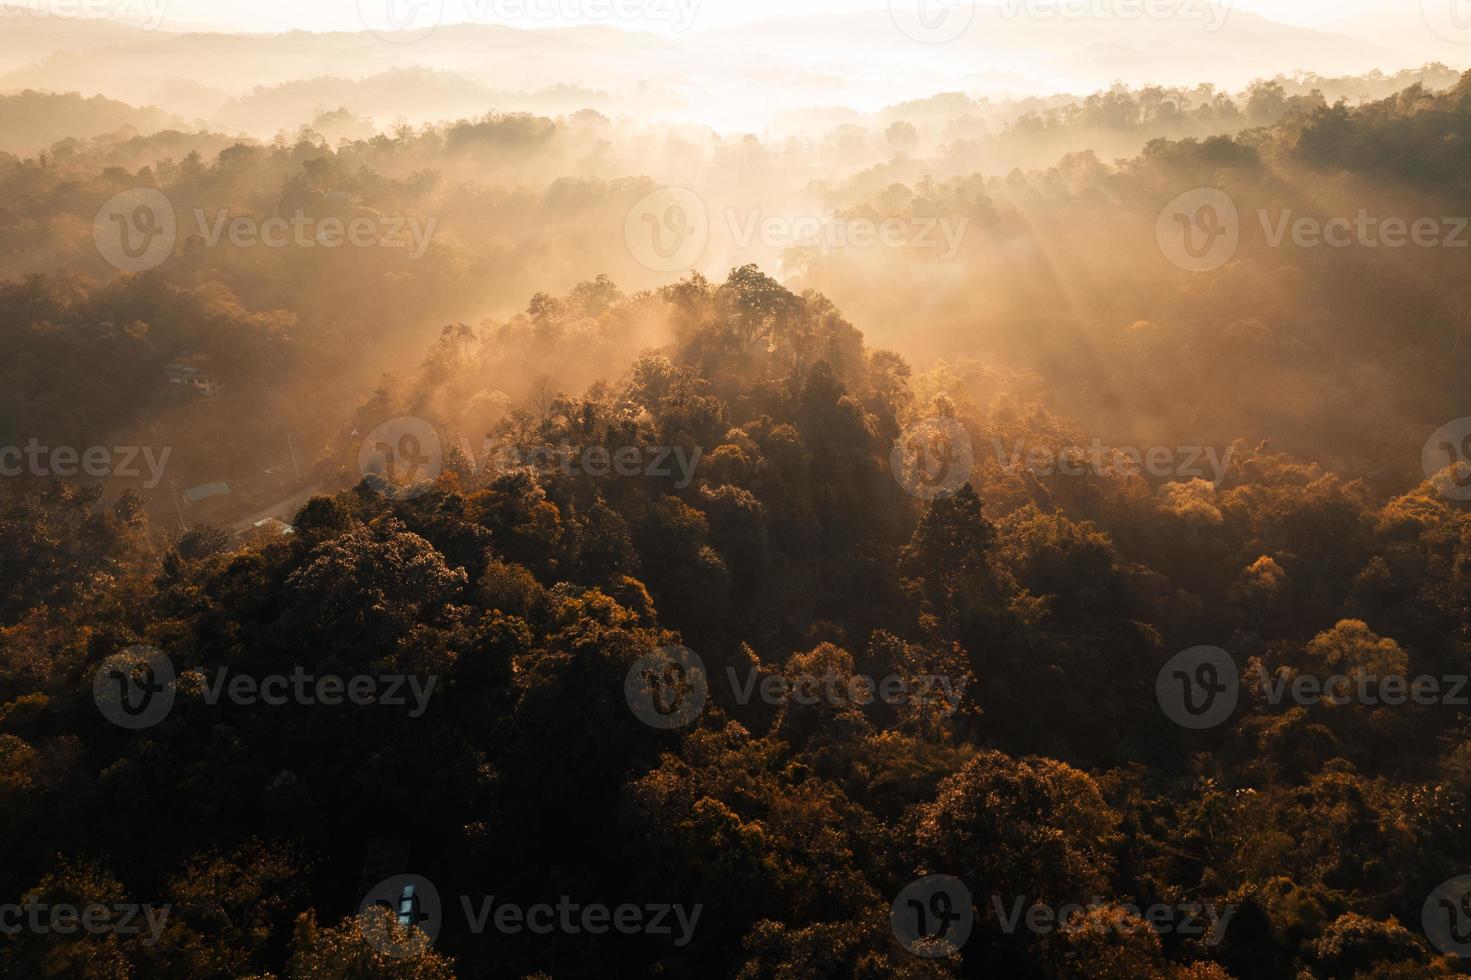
323,15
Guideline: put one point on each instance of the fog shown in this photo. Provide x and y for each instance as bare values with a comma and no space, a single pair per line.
644,385
984,199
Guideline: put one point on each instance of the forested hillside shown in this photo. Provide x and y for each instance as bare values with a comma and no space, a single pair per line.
751,602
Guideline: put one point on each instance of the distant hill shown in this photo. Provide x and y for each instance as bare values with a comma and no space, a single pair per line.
32,121
1408,32
416,94
27,36
1086,53
731,78
141,66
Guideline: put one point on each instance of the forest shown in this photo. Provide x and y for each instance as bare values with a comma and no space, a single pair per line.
493,601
